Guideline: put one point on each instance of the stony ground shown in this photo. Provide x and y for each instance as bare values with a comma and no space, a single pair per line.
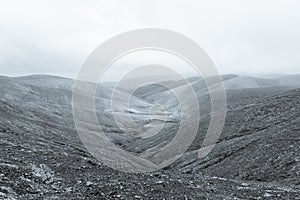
42,157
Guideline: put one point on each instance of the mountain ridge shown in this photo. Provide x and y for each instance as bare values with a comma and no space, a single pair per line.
42,156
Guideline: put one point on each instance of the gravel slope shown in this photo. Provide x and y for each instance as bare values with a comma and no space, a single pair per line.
42,157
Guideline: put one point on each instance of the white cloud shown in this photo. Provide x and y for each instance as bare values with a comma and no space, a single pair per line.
240,36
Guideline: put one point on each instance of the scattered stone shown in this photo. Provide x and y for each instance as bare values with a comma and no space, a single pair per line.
89,183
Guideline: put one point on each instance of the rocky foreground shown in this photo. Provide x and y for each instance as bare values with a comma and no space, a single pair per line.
42,157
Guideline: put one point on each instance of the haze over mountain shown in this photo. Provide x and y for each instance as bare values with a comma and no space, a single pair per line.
257,155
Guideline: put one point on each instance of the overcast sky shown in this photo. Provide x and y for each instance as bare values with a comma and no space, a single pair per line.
55,37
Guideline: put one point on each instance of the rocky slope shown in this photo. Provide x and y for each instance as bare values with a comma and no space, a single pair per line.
256,157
